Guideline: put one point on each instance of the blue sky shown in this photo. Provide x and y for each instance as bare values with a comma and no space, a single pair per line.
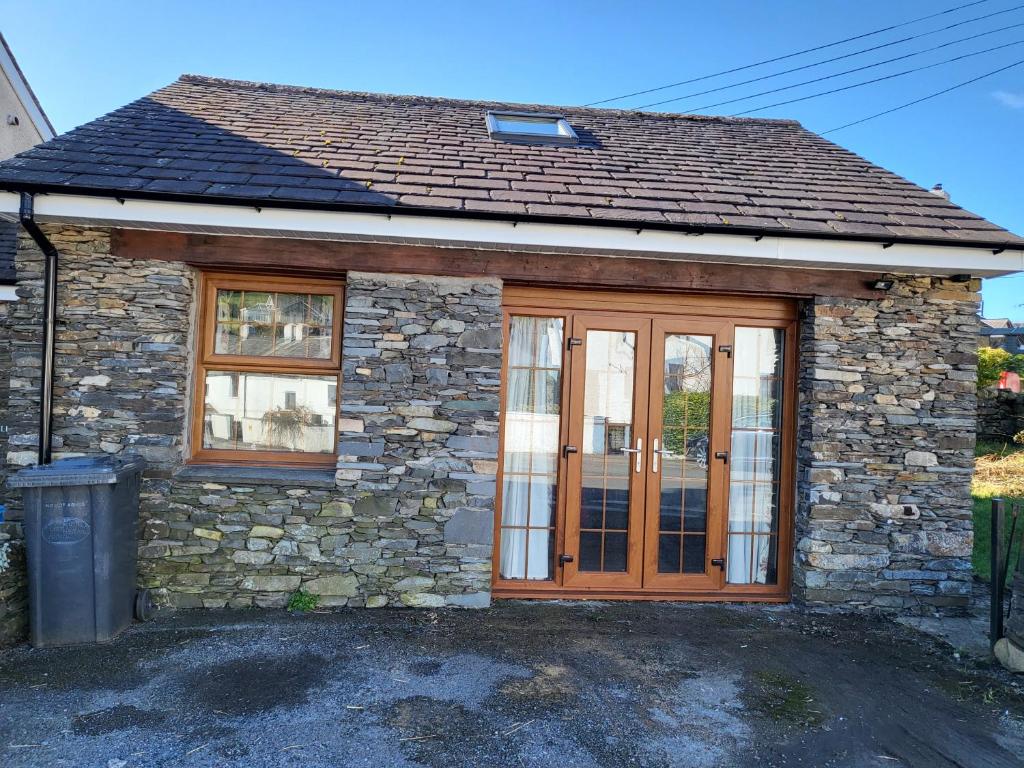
85,59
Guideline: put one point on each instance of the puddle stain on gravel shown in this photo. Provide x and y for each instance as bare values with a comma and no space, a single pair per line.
250,686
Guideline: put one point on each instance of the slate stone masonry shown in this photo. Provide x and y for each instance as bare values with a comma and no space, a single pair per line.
405,518
886,448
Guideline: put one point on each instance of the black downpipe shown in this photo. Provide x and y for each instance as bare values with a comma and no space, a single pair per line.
27,218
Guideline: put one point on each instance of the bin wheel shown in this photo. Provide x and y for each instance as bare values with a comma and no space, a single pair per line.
145,608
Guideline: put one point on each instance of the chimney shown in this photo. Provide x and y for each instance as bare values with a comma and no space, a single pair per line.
939,191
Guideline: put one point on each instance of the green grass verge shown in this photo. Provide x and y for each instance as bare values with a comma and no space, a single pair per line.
981,558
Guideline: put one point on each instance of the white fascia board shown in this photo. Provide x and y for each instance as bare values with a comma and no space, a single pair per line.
24,94
556,238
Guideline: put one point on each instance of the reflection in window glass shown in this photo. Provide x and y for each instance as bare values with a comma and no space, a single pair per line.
269,412
264,324
530,450
754,479
686,418
607,430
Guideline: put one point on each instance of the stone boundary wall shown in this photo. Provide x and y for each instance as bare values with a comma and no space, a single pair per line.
885,448
1000,414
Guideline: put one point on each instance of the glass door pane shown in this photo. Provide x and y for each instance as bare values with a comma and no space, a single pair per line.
683,454
530,450
607,441
686,484
754,477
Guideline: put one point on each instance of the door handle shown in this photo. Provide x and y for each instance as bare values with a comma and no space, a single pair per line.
638,451
723,455
657,452
718,562
563,559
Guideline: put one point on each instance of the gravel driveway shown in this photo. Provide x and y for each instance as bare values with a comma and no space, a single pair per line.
542,684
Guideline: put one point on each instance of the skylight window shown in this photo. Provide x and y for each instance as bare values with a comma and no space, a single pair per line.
530,127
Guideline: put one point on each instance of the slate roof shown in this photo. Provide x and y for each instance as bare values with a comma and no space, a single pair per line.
243,141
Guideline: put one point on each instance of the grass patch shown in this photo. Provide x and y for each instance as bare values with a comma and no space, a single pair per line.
981,557
998,448
784,699
1000,475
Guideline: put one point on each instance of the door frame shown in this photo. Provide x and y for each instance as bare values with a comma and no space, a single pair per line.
572,465
721,332
741,310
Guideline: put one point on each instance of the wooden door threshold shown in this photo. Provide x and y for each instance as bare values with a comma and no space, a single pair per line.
508,593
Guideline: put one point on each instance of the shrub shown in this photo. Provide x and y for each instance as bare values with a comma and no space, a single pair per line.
992,361
303,601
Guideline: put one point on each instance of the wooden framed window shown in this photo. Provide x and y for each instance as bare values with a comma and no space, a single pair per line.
267,372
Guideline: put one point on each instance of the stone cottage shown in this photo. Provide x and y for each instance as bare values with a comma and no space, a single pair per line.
424,352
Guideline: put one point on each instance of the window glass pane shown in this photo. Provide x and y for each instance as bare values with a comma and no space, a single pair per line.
538,126
269,412
266,324
530,449
754,465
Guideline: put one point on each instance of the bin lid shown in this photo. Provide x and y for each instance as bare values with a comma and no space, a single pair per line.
82,470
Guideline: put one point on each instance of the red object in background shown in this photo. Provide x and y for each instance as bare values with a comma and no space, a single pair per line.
1009,380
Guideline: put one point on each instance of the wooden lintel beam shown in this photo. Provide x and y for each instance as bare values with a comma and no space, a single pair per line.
580,270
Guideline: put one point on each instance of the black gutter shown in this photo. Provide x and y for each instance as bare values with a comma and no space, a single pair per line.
757,233
27,217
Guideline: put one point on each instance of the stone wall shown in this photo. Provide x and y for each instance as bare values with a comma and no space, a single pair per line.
1000,414
408,514
404,519
886,448
5,382
13,585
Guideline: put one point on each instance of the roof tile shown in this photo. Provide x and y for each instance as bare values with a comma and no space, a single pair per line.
209,137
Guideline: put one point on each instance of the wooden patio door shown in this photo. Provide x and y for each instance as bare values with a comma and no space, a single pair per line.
686,477
647,402
620,415
606,454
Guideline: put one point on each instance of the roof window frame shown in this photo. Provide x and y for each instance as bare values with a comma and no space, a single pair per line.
565,136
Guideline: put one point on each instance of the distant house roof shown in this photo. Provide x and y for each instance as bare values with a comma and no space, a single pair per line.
9,66
995,322
244,142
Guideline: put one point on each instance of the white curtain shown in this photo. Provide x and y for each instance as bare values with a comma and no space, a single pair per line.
530,447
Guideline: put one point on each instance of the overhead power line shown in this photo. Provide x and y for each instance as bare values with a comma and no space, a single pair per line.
877,79
924,98
855,53
868,66
791,55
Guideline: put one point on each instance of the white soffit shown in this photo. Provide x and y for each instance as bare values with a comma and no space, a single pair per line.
395,227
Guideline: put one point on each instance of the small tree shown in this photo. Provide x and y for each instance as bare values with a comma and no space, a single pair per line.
992,361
